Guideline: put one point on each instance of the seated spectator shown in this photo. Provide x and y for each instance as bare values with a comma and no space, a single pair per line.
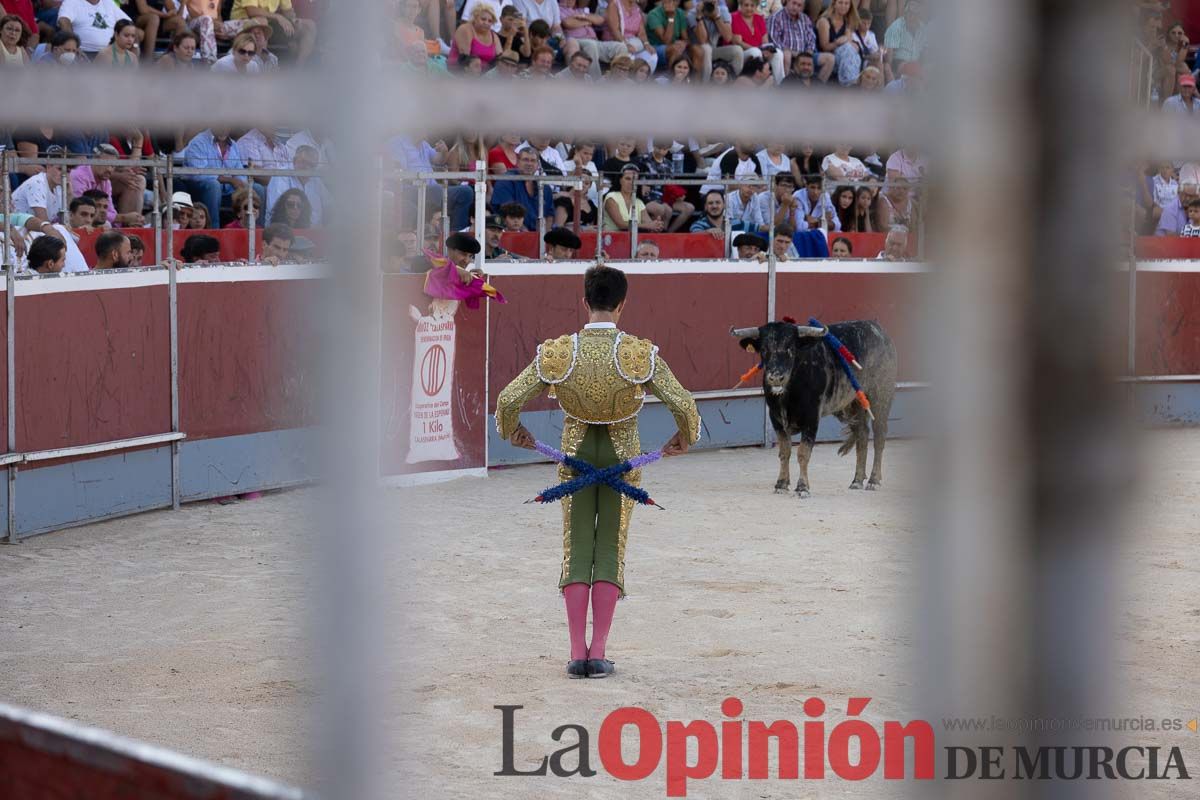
34,142
542,63
842,248
756,74
579,68
1192,229
319,198
82,214
723,73
103,205
713,218
514,33
712,36
774,160
137,251
836,28
213,149
866,44
667,31
787,207
85,177
112,250
741,208
63,50
39,195
182,52
1186,101
503,157
749,30
93,21
261,31
475,37
580,25
277,243
895,206
911,80
525,191
620,206
492,231
47,255
792,32
14,37
561,244
199,221
840,165
292,209
647,251
863,218
179,211
204,17
624,22
895,246
1174,214
782,244
736,162
508,65
547,11
156,15
816,205
200,248
872,80
301,33
664,201
240,58
906,37
245,208
679,72
512,215
621,157
749,246
422,157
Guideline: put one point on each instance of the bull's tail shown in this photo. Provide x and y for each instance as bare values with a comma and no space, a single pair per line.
847,445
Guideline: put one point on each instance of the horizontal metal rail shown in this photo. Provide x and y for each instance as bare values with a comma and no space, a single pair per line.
98,447
86,161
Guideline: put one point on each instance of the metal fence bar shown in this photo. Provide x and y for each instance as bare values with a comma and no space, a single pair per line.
421,189
10,359
101,447
156,220
480,178
634,218
445,227
541,221
252,200
173,301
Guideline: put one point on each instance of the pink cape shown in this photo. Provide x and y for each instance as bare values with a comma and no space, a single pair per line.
443,283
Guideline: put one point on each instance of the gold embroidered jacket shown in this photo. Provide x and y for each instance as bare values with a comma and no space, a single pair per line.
599,376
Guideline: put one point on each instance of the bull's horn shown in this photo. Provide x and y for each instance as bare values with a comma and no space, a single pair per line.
808,330
743,332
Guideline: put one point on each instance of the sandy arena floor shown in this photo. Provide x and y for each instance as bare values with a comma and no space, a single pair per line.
187,629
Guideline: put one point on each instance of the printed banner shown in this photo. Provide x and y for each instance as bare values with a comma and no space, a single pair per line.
431,436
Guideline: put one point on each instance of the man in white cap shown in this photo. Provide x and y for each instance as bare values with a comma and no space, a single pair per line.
181,210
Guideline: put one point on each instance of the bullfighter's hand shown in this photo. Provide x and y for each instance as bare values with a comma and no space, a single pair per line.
677,445
522,438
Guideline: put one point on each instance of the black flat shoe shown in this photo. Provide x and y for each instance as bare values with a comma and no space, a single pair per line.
577,668
600,668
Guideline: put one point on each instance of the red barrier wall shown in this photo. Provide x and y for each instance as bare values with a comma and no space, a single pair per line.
469,404
680,246
234,242
1153,247
1168,324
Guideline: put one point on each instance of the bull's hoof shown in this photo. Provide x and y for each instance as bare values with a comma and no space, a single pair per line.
857,484
802,492
781,487
873,485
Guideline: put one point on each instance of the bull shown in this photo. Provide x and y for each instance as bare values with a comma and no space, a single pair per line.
803,380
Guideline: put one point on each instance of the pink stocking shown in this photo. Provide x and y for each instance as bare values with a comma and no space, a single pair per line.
576,597
604,603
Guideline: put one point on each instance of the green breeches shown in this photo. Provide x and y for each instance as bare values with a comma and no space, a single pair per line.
596,520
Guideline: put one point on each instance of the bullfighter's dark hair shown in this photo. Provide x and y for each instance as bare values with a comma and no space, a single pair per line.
604,287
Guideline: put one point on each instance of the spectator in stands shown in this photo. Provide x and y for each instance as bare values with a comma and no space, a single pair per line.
261,31
713,218
774,160
503,157
666,30
736,162
493,229
863,218
841,248
871,80
787,207
624,22
1174,215
201,248
293,209
561,244
85,177
63,50
911,80
895,246
580,24
279,13
103,205
620,205
543,61
712,37
1186,101
756,74
39,195
524,191
93,21
843,207
204,17
840,165
82,213
199,221
277,243
907,164
815,204
47,255
112,250
513,217
866,44
679,71
213,149
619,69
806,161
782,245
153,15
36,141
508,65
792,31
137,251
13,39
749,246
906,37
895,206
182,51
647,251
1192,229
579,67
750,33
1165,189
180,211
664,201
475,37
514,32
413,156
240,58
741,208
319,198
245,207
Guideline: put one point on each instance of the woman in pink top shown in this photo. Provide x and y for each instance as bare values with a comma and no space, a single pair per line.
626,23
749,29
476,38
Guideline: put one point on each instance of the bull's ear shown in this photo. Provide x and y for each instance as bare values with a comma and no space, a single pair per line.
749,344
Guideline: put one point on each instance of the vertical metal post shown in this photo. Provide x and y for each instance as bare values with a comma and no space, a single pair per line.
772,263
62,194
634,219
446,215
728,222
422,186
10,350
173,306
541,220
1131,345
824,216
480,210
600,222
156,215
252,200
